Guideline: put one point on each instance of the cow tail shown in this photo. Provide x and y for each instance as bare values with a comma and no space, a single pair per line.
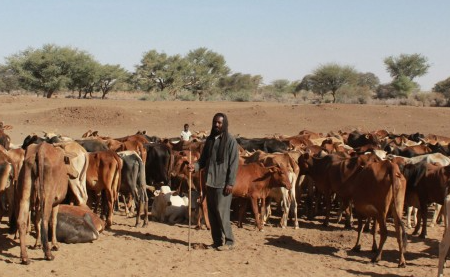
118,175
41,192
394,184
170,167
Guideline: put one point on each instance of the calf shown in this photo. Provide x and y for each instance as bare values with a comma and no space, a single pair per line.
77,225
169,206
254,181
103,174
133,181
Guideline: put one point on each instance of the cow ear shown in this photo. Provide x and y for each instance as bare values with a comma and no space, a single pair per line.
69,155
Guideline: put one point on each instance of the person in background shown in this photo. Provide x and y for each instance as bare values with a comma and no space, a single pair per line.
186,134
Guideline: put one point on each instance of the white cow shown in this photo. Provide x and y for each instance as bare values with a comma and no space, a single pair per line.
170,207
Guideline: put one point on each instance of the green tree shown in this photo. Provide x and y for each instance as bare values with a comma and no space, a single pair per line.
329,78
109,77
239,82
403,69
9,80
43,70
410,66
204,70
443,87
159,71
368,80
83,74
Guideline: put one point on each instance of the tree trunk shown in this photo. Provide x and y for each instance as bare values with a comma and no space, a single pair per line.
333,93
49,94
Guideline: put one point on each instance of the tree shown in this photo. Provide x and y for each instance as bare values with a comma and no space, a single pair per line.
239,82
83,74
159,71
45,70
368,80
329,78
204,70
9,80
109,77
410,66
443,87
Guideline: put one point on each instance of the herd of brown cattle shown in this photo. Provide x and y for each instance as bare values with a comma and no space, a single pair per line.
372,175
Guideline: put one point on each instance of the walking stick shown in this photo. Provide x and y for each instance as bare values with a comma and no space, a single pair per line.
189,206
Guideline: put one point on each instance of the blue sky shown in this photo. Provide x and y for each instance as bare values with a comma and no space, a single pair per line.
276,39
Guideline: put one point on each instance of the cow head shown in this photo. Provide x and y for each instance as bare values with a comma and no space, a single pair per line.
71,171
280,176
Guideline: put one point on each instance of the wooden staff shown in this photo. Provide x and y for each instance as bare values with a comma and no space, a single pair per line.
189,206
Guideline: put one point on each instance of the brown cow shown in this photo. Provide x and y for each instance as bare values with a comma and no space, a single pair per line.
5,140
374,186
254,181
180,179
45,173
104,174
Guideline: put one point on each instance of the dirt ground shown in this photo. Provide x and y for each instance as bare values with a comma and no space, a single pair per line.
161,249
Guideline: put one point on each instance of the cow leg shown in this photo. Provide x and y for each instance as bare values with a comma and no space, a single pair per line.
127,211
46,210
263,211
255,209
22,221
110,201
383,235
374,234
327,209
357,246
436,214
286,205
423,215
205,213
419,222
293,204
55,245
401,235
37,225
242,210
444,245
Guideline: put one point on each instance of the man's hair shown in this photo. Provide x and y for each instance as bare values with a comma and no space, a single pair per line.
223,139
186,125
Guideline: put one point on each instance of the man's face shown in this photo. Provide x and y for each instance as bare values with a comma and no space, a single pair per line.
218,124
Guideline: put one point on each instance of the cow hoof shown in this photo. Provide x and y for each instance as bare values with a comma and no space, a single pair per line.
422,236
36,246
296,227
402,265
25,262
145,224
49,257
357,248
375,260
374,250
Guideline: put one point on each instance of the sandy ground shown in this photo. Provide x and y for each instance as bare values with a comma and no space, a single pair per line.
161,249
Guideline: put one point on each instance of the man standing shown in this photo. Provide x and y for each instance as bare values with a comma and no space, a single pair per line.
219,158
186,134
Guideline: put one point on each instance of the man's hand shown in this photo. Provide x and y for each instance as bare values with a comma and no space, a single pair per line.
228,189
191,167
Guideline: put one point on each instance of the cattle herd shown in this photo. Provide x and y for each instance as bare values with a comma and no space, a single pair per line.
69,188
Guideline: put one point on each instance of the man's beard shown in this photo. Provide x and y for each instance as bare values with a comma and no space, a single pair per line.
216,132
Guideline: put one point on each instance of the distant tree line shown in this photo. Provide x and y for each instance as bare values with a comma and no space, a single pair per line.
201,74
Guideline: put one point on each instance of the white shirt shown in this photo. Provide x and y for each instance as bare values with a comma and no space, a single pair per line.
186,135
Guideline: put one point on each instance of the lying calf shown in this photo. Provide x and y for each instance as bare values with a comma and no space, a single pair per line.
77,224
169,206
